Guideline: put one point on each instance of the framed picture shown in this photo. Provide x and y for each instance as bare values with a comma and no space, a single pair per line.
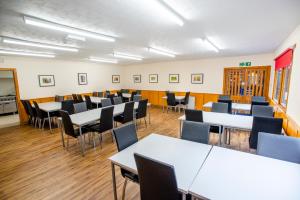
46,80
173,78
116,78
153,78
197,78
82,79
137,78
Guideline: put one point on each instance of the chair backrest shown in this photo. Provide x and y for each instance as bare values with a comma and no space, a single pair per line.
262,111
25,106
229,103
157,180
105,102
88,101
128,112
125,136
59,98
224,97
67,123
193,115
187,98
142,109
220,107
107,92
39,112
258,98
132,95
75,99
264,124
111,97
279,147
31,110
171,101
68,105
117,100
79,97
137,98
119,93
258,103
106,118
195,131
80,107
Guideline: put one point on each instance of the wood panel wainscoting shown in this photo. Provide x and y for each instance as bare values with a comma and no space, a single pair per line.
155,98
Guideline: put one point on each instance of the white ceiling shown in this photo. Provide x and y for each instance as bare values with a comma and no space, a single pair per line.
240,27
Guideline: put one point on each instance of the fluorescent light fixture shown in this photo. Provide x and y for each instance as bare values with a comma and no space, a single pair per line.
172,13
211,45
66,29
34,44
102,60
162,52
24,53
126,56
76,37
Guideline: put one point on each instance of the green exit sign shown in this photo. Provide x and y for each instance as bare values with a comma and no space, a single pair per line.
245,64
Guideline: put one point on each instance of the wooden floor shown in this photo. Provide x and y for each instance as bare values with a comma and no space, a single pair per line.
34,165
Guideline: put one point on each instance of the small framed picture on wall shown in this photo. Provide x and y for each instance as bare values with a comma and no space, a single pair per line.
82,79
197,78
173,78
137,78
153,78
46,80
115,78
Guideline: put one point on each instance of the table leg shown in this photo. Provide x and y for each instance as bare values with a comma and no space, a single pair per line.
220,135
49,119
180,127
114,181
149,115
82,141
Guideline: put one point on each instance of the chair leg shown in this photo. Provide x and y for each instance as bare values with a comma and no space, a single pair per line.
145,122
43,124
124,189
68,137
100,140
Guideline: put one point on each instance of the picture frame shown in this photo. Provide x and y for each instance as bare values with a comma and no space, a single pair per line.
153,78
137,78
46,80
173,78
115,78
82,79
197,78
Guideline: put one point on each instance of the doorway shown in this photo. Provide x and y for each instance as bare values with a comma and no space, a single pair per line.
9,98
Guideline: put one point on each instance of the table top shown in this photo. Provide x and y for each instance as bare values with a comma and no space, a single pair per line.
50,106
176,97
97,99
187,157
229,175
227,120
235,106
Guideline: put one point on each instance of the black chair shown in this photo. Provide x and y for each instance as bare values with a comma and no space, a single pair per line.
41,116
117,100
32,112
229,102
258,98
219,108
127,115
111,97
89,102
58,98
141,111
26,111
106,122
137,98
193,115
107,92
171,101
186,100
126,136
75,99
195,131
68,105
258,103
105,102
80,99
80,107
132,95
157,180
69,129
264,124
262,111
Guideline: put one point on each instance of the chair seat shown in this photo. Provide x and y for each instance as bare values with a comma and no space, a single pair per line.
96,128
119,118
84,130
133,177
215,129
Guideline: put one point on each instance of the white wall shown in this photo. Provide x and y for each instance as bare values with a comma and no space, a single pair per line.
65,72
293,108
212,69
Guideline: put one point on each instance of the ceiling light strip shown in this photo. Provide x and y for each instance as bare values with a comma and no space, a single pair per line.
40,45
172,13
23,53
211,45
103,60
127,56
76,37
161,52
66,29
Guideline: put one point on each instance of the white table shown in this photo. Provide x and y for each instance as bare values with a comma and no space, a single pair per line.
179,99
235,106
233,175
241,122
97,100
187,157
49,107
